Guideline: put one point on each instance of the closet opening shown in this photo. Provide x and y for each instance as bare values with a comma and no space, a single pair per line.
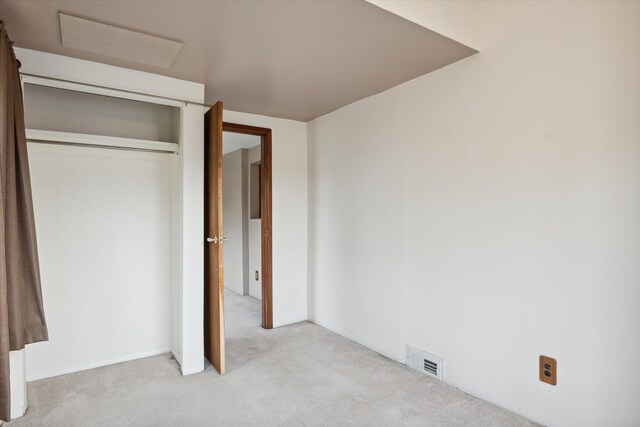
104,188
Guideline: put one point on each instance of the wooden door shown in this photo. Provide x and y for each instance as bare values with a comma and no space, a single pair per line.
213,250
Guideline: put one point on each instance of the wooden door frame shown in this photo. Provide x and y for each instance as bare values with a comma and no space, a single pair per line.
265,217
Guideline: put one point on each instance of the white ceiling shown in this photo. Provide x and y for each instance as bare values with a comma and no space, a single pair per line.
235,141
292,59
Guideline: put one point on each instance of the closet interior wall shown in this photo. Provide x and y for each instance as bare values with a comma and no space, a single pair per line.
104,220
119,231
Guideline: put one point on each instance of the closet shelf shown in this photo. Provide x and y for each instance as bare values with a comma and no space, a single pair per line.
80,139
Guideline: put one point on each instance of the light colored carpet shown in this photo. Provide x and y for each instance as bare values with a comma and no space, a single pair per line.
298,375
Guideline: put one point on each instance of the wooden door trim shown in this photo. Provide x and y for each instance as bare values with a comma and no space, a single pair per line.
265,201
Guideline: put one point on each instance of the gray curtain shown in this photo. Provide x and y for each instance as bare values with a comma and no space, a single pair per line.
21,311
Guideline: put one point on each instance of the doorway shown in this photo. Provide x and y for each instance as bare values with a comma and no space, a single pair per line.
215,238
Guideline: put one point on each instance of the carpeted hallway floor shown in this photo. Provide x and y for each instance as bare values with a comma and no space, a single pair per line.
298,375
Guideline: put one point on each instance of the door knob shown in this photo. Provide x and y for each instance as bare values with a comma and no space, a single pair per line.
223,238
214,240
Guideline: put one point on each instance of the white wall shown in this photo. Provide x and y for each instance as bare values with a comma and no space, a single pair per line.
255,258
103,219
488,213
235,227
188,242
18,383
289,172
255,228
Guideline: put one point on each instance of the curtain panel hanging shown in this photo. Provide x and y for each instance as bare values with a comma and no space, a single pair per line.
22,318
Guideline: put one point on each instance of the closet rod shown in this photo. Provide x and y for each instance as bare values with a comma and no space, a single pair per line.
132,92
106,147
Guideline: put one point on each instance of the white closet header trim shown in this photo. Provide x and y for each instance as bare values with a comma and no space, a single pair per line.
103,90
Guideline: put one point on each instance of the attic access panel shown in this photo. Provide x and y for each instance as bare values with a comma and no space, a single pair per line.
117,42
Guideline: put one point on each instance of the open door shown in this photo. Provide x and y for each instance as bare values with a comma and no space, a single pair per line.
213,251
